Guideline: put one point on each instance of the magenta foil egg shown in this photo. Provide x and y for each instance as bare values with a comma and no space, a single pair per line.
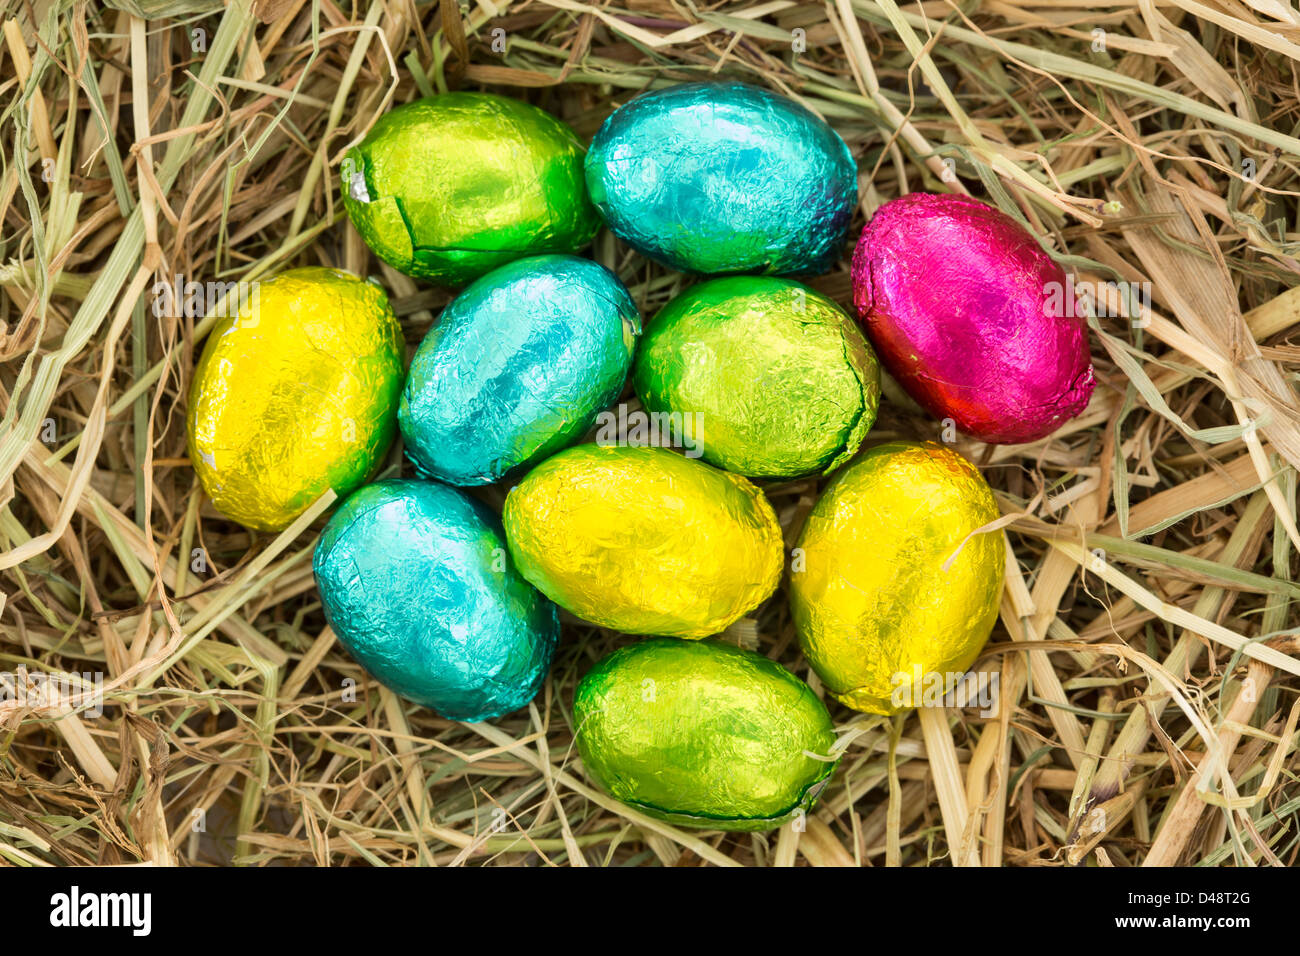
972,318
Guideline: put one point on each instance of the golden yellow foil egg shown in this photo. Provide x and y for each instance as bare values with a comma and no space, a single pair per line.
879,616
296,393
643,540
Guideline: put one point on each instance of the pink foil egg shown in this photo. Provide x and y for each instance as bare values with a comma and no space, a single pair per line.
972,318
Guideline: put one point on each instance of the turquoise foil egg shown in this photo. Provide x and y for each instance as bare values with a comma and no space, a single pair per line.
724,177
517,367
418,586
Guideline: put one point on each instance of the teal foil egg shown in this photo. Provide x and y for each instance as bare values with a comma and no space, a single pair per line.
417,584
518,366
724,177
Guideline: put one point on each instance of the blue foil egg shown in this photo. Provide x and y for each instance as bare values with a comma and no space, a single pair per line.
724,177
418,585
518,366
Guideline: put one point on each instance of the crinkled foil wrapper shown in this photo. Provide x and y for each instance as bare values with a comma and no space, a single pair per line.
449,187
868,591
772,379
969,315
416,582
724,177
703,734
294,395
644,540
517,367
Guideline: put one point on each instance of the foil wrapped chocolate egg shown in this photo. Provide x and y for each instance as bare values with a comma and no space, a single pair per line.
769,378
517,367
643,540
703,734
971,317
451,186
418,586
724,177
295,393
889,584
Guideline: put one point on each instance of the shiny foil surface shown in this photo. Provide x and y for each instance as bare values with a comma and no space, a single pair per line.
643,540
703,734
868,591
968,313
294,395
724,177
451,186
771,378
417,584
517,367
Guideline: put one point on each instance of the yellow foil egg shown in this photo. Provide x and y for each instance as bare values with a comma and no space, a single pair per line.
879,616
296,393
643,540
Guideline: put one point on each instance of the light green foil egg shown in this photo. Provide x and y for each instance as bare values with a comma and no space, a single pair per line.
449,187
770,378
703,734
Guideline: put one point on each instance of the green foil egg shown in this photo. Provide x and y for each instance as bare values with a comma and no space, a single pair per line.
449,187
703,734
770,378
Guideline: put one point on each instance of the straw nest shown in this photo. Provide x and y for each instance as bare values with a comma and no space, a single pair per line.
1146,649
